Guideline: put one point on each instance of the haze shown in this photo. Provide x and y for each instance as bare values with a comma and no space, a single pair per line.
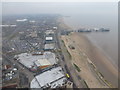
10,8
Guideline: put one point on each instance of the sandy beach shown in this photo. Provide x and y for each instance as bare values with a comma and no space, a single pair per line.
105,67
101,61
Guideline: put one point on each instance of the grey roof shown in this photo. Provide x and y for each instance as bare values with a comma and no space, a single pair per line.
49,46
53,78
49,32
28,60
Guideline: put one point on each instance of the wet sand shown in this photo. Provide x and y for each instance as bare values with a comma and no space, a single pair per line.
87,72
104,65
102,62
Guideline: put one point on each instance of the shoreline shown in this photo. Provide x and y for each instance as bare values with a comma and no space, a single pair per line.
113,57
84,65
101,61
105,53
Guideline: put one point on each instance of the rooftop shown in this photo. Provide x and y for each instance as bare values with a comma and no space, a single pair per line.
29,60
55,78
49,46
49,38
21,20
49,32
42,62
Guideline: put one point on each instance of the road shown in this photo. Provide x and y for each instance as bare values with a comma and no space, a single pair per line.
63,58
21,68
66,64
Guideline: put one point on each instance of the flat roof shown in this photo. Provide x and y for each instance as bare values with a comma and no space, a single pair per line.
21,20
49,46
53,78
49,32
49,38
51,57
28,60
42,62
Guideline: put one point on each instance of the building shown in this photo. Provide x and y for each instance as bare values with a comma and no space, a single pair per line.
10,76
49,38
48,47
33,61
8,25
43,63
51,57
13,85
53,78
21,20
37,53
48,32
63,32
55,28
33,34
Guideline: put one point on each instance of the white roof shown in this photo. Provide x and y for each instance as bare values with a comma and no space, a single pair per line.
49,46
32,21
42,62
55,27
21,20
51,57
8,25
49,38
53,78
28,59
49,32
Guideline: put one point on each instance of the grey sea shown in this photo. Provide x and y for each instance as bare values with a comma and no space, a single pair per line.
97,15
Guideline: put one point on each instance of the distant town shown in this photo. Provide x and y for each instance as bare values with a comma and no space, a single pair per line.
35,54
32,56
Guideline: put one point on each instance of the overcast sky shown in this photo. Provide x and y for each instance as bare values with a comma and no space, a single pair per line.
60,0
60,8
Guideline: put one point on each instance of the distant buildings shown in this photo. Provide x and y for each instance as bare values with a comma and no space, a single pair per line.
37,45
32,21
8,25
65,32
21,20
52,77
49,40
48,73
33,34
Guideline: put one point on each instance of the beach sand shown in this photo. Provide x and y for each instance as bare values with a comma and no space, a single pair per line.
81,60
102,62
98,58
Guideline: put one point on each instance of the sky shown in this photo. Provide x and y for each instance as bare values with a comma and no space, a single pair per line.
60,0
64,8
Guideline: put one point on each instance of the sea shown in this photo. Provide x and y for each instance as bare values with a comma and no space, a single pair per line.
97,15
